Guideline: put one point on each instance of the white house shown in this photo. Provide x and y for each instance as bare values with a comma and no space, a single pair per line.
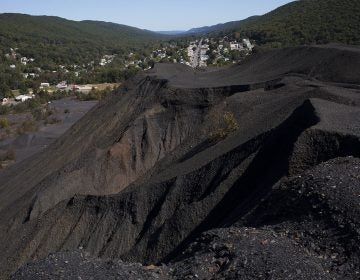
44,85
30,75
204,57
236,46
22,98
24,60
62,85
103,62
248,44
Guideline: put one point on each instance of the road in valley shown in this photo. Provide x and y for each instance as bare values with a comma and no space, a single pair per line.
196,56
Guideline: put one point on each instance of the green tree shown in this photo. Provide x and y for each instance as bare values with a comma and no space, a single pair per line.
5,91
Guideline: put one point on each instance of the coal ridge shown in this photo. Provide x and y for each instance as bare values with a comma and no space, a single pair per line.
219,174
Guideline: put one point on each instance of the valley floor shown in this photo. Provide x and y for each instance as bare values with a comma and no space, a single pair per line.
25,137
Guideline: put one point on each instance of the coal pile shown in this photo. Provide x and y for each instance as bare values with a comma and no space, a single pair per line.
246,172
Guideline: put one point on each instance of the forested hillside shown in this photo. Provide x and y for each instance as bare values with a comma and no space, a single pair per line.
61,49
57,40
57,49
301,22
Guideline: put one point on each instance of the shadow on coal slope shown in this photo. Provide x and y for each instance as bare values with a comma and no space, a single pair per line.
145,173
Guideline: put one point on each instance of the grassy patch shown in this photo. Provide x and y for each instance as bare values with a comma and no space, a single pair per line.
51,120
8,155
94,94
42,113
4,110
27,126
4,123
224,125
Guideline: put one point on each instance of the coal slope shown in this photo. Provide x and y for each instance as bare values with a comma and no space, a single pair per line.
247,172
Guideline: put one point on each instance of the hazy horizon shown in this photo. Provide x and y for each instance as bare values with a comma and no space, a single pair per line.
157,15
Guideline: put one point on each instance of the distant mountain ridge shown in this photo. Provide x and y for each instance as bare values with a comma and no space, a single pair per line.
296,23
220,26
171,32
207,29
59,40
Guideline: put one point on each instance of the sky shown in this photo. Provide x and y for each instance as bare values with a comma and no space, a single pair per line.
156,15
